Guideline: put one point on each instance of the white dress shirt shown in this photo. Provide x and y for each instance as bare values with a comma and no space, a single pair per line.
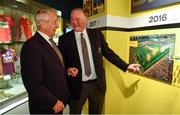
78,41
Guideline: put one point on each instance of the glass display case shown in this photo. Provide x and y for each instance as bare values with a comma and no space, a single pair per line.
10,77
16,26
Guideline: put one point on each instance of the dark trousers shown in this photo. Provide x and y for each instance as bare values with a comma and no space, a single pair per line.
94,96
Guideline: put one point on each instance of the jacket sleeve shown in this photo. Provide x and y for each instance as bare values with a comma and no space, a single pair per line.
110,55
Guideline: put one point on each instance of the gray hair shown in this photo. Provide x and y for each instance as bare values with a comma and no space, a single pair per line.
42,15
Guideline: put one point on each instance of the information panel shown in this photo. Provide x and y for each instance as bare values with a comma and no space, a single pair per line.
140,5
155,54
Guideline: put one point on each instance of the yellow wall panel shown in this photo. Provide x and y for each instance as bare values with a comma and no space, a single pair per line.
130,93
118,7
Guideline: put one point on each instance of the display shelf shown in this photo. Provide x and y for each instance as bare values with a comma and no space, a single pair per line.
13,88
12,43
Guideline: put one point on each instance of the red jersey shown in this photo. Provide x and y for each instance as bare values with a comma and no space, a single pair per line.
25,31
5,23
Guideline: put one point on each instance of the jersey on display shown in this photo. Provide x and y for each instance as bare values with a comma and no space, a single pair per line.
8,58
5,24
25,30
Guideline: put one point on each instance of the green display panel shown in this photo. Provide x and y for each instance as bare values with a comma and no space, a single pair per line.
155,54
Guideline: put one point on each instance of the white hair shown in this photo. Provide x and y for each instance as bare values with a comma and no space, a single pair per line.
42,15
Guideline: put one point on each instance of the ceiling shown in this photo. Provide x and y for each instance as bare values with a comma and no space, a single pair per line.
15,4
65,6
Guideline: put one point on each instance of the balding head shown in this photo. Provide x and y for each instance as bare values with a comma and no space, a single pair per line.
78,19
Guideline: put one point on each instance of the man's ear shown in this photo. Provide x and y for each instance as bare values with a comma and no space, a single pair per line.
43,24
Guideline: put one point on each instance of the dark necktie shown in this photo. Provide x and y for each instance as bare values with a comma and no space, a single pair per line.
85,54
56,50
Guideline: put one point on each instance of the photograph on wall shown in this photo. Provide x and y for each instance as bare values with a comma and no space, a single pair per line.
98,6
155,55
141,5
87,7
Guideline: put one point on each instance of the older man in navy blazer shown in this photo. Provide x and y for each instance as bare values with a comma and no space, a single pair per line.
87,86
42,69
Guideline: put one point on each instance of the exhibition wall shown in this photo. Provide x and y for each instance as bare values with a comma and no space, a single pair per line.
133,92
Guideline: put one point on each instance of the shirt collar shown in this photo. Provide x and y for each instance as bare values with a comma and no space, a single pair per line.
46,37
77,34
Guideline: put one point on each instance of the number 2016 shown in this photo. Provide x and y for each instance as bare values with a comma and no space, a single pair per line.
157,18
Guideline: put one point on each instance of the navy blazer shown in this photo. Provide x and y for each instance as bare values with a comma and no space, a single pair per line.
43,75
67,45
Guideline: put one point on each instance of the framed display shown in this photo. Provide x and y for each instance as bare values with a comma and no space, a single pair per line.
155,54
87,7
93,7
98,6
140,5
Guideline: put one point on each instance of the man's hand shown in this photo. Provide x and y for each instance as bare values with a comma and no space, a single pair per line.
72,71
134,68
58,107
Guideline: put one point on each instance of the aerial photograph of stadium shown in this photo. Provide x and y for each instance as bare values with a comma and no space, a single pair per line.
155,54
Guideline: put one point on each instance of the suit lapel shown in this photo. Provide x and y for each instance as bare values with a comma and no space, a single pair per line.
93,43
74,43
47,47
74,47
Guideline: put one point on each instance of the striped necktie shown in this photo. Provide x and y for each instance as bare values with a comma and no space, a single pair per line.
85,54
56,50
